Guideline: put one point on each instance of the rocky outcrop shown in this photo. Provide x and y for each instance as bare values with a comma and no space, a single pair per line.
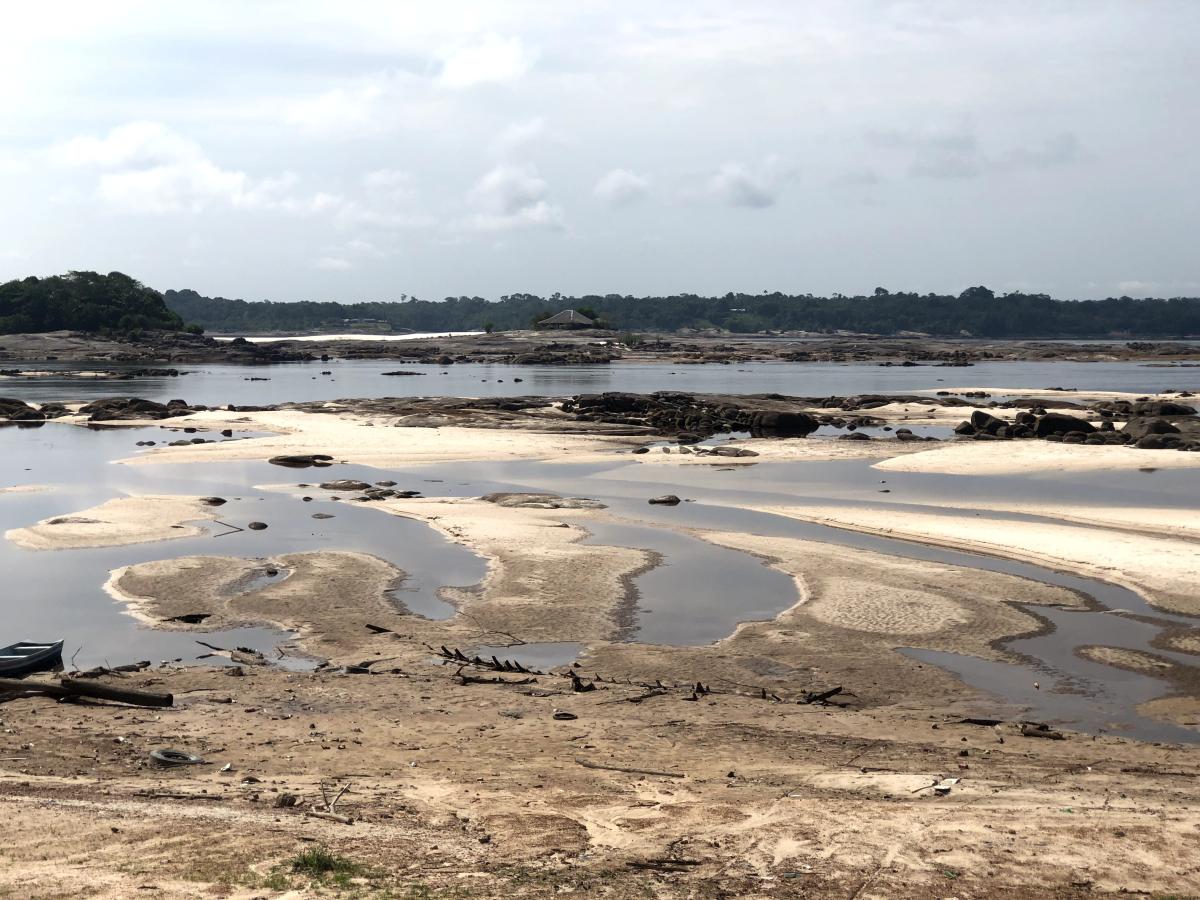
116,409
691,417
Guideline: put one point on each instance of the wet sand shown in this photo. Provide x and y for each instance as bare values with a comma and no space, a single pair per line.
720,777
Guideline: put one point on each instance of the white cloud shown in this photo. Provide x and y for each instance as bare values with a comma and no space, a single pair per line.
621,187
340,112
393,181
513,197
519,135
495,59
754,187
960,153
135,144
148,168
333,263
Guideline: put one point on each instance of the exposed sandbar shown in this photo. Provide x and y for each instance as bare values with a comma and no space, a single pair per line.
117,522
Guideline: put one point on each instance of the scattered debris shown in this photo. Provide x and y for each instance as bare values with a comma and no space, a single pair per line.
169,758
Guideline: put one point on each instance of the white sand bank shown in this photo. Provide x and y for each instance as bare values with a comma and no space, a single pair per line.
114,523
351,439
1162,569
1028,457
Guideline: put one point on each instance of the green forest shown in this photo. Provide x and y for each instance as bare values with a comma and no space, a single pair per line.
976,312
83,301
118,304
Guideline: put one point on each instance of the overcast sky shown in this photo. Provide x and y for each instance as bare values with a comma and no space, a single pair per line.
357,150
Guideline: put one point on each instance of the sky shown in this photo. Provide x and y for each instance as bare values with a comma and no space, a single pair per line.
373,150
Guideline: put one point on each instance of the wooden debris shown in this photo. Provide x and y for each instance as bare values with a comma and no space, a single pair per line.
75,688
820,696
588,764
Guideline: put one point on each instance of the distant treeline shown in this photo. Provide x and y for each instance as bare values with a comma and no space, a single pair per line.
976,312
83,301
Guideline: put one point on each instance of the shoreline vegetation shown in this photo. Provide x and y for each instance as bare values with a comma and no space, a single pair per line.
975,312
116,304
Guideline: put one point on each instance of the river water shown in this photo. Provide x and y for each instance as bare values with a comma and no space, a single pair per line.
699,592
297,382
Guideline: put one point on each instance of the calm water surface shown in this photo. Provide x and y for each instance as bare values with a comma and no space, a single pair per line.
698,593
222,384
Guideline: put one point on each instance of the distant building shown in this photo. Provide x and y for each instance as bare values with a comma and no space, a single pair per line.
568,318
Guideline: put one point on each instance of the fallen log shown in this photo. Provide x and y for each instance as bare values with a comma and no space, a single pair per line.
73,688
821,696
118,694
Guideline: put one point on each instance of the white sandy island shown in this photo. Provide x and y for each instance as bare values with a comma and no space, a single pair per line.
115,523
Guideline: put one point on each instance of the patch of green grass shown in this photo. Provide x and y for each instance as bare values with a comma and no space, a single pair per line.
320,863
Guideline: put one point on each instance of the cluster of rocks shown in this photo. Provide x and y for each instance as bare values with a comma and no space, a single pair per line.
719,450
22,413
691,417
381,490
116,409
1147,425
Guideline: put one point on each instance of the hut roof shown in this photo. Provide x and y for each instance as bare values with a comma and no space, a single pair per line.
568,317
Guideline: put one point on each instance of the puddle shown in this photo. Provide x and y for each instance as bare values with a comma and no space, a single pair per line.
1062,701
699,592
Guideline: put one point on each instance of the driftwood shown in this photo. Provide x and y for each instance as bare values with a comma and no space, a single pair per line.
114,670
74,688
332,817
821,696
669,864
476,679
329,812
588,764
494,664
1038,730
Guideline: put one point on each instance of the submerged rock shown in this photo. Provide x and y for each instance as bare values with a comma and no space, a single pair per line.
344,484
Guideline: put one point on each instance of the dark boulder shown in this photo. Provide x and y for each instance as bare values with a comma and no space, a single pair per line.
665,500
11,409
783,424
1061,424
344,485
1140,427
987,422
320,460
124,408
1162,408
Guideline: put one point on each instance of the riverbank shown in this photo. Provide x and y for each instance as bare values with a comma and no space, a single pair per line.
797,755
582,348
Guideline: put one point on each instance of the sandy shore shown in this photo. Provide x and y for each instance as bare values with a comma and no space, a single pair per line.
1027,457
23,489
1162,569
683,771
366,441
115,523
